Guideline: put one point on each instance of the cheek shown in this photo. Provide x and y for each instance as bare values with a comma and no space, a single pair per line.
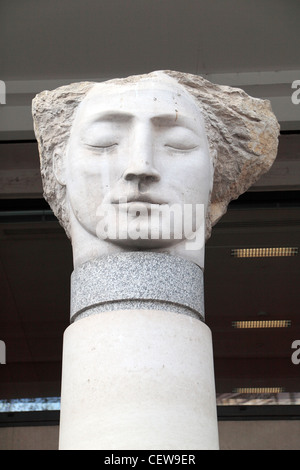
84,175
204,170
198,168
199,180
85,192
89,168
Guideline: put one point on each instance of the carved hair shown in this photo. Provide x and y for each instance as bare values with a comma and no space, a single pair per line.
242,133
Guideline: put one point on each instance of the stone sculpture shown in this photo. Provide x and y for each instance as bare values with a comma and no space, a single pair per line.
138,171
154,141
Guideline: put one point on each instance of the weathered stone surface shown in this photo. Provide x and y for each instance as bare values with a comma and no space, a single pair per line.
158,139
242,134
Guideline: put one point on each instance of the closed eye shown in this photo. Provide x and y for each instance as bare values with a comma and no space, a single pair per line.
181,148
102,147
180,139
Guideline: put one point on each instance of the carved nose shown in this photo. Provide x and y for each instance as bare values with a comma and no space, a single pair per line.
148,175
141,166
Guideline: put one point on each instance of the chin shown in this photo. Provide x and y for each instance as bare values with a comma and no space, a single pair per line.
142,244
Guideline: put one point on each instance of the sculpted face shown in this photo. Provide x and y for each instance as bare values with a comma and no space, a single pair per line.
136,151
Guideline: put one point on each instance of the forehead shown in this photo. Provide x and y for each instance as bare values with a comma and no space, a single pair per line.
145,99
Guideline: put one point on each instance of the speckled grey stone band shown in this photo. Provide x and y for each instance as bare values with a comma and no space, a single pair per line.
137,280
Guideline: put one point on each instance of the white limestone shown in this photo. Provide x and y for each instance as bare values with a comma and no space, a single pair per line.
119,161
153,141
138,380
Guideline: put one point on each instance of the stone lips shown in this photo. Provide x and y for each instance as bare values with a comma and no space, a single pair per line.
242,132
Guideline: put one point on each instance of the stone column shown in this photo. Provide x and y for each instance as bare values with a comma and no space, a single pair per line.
137,171
138,361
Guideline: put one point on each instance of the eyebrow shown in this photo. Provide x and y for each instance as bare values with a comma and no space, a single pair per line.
160,120
111,116
171,119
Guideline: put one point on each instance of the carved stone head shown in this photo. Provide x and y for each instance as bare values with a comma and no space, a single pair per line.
149,162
